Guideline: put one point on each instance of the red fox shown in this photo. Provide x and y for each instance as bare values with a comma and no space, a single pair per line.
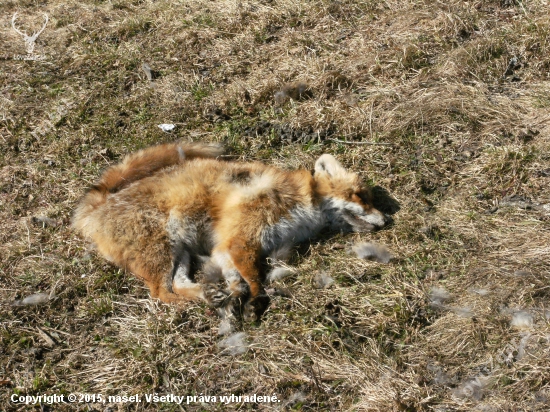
164,207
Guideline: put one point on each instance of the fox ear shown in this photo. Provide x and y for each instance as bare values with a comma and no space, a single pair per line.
327,163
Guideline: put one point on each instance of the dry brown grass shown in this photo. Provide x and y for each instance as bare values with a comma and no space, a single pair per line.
458,321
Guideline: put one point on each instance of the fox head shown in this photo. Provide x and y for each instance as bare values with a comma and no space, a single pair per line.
346,203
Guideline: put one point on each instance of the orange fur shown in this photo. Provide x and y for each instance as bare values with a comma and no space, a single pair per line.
163,207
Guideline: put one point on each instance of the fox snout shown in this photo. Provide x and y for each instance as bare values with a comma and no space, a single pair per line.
366,220
380,219
388,220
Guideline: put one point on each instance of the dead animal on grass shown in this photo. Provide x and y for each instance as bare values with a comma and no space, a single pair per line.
162,208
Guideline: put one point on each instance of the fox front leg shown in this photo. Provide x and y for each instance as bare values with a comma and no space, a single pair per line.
240,262
245,257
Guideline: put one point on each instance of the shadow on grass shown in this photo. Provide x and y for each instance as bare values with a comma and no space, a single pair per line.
383,201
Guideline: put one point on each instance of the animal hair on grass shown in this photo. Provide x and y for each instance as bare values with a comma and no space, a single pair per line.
32,300
226,327
438,297
234,345
278,273
372,251
522,320
322,280
294,91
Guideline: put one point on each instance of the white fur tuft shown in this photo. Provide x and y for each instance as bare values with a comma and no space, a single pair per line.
372,251
278,274
234,345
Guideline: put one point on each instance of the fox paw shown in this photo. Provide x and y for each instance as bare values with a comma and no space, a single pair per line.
255,308
216,297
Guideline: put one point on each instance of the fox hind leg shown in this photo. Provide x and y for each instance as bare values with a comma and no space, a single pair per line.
160,291
180,276
182,284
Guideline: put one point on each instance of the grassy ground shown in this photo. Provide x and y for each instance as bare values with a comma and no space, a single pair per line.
460,90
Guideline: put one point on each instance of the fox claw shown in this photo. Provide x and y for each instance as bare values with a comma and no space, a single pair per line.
255,308
216,297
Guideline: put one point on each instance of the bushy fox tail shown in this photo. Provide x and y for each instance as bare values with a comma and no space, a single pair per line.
148,161
137,166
